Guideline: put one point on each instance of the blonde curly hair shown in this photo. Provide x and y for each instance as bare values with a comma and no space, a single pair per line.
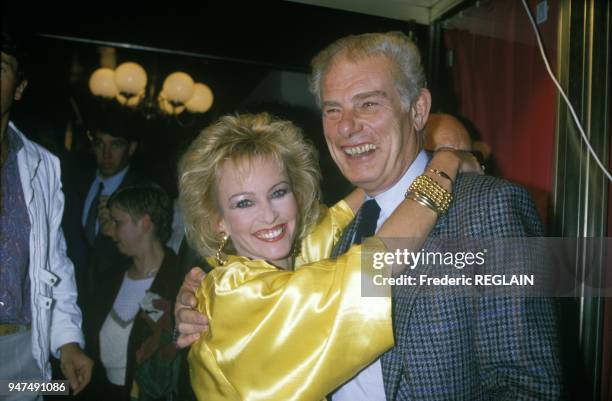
244,137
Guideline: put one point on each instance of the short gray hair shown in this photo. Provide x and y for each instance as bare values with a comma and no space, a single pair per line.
396,46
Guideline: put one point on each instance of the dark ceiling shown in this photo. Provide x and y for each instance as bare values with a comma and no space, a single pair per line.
277,33
231,46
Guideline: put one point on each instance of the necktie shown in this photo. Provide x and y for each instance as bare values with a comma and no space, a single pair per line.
365,226
368,216
92,216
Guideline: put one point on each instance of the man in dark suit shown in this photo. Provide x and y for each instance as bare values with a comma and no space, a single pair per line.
371,89
113,133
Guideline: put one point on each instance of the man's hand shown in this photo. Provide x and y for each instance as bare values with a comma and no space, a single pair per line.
76,366
189,322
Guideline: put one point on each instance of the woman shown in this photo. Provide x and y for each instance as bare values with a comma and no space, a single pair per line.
249,191
134,319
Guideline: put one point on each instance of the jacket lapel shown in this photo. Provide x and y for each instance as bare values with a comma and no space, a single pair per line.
392,361
28,160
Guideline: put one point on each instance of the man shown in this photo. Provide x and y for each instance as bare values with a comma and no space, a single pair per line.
444,130
374,102
38,311
113,145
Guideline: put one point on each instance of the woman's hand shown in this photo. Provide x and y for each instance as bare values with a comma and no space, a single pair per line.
189,322
453,161
469,163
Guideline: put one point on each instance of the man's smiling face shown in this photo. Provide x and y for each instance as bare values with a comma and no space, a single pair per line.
370,135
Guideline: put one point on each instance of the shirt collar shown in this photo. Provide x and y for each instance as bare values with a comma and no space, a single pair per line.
111,183
14,140
391,198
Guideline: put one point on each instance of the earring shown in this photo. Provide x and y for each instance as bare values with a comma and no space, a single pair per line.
219,257
297,249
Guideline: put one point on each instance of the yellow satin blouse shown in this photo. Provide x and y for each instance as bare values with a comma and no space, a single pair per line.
278,335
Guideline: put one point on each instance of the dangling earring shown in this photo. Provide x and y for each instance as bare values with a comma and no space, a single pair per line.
219,257
297,249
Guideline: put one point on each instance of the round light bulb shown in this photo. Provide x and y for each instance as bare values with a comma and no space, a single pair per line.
131,101
130,78
102,83
167,107
201,100
178,87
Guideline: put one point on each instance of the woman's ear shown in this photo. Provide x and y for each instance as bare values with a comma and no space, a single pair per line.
145,222
221,226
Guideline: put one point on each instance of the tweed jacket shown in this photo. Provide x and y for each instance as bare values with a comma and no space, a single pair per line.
469,348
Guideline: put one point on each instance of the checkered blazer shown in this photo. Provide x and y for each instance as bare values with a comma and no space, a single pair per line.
468,348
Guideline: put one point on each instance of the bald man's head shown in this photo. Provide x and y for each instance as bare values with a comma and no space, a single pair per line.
444,130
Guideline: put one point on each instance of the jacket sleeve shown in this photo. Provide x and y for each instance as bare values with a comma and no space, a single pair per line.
66,316
516,343
322,238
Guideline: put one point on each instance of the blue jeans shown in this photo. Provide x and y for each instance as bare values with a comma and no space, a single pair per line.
18,363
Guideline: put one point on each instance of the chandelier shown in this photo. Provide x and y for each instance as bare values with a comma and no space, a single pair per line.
128,85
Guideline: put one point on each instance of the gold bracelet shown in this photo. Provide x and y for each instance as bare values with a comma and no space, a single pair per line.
429,189
441,174
421,200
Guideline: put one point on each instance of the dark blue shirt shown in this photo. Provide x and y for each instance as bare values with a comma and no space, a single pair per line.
15,307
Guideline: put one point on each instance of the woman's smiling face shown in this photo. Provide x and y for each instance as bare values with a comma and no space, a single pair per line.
258,209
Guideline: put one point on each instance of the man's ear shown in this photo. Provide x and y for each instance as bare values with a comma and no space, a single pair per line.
132,148
420,109
19,89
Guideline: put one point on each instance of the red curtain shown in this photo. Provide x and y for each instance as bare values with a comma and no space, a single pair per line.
606,369
503,88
